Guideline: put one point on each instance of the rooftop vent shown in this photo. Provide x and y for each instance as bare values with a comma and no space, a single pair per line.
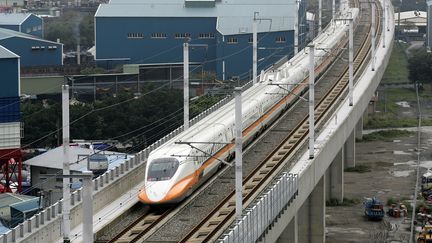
200,3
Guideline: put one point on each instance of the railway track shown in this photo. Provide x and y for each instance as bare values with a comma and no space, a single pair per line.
216,221
148,223
141,226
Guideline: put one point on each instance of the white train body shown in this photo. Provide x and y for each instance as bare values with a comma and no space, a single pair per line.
174,170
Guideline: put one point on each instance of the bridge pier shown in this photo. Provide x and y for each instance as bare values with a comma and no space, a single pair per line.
308,224
290,234
359,129
335,178
349,150
311,216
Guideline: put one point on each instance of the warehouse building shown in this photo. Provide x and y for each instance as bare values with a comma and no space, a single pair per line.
33,51
27,23
51,162
10,126
153,32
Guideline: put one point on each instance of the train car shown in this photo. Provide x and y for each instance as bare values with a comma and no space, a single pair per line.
177,168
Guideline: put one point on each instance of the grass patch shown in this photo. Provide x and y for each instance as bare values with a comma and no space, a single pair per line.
359,169
397,69
390,113
347,202
387,135
393,200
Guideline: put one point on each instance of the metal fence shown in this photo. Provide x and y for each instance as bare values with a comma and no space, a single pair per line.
264,211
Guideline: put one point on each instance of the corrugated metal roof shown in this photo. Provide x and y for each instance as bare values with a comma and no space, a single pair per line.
28,205
54,158
13,18
233,16
410,14
5,53
7,33
7,199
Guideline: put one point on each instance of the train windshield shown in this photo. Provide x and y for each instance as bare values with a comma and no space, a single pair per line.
162,169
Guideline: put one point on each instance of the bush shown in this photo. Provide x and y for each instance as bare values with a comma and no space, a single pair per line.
347,202
386,135
358,169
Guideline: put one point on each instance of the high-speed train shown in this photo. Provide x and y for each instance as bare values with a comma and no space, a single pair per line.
175,170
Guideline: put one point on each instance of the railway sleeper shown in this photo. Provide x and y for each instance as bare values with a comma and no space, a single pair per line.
138,230
249,186
123,240
269,166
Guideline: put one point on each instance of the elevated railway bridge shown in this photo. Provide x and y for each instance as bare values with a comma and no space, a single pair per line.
284,189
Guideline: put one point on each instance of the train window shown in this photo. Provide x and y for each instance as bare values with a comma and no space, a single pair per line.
162,169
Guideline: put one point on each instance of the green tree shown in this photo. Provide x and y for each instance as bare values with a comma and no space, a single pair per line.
420,68
136,121
71,28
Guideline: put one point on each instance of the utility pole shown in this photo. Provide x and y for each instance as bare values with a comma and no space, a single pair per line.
66,170
351,61
87,206
238,152
296,27
334,9
87,203
255,48
383,23
373,36
185,86
186,82
311,100
319,16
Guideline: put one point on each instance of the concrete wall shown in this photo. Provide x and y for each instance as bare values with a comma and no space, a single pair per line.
41,85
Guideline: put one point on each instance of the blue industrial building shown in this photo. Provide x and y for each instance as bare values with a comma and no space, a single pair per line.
32,50
27,23
10,118
9,89
150,32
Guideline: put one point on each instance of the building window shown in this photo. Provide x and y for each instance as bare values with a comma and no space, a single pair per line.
206,36
135,35
28,30
280,39
34,48
52,47
34,28
182,35
250,40
39,27
158,36
232,40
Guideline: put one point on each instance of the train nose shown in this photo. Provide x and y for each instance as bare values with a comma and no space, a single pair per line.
156,192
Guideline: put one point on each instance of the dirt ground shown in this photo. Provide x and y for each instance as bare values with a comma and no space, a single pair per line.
392,174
